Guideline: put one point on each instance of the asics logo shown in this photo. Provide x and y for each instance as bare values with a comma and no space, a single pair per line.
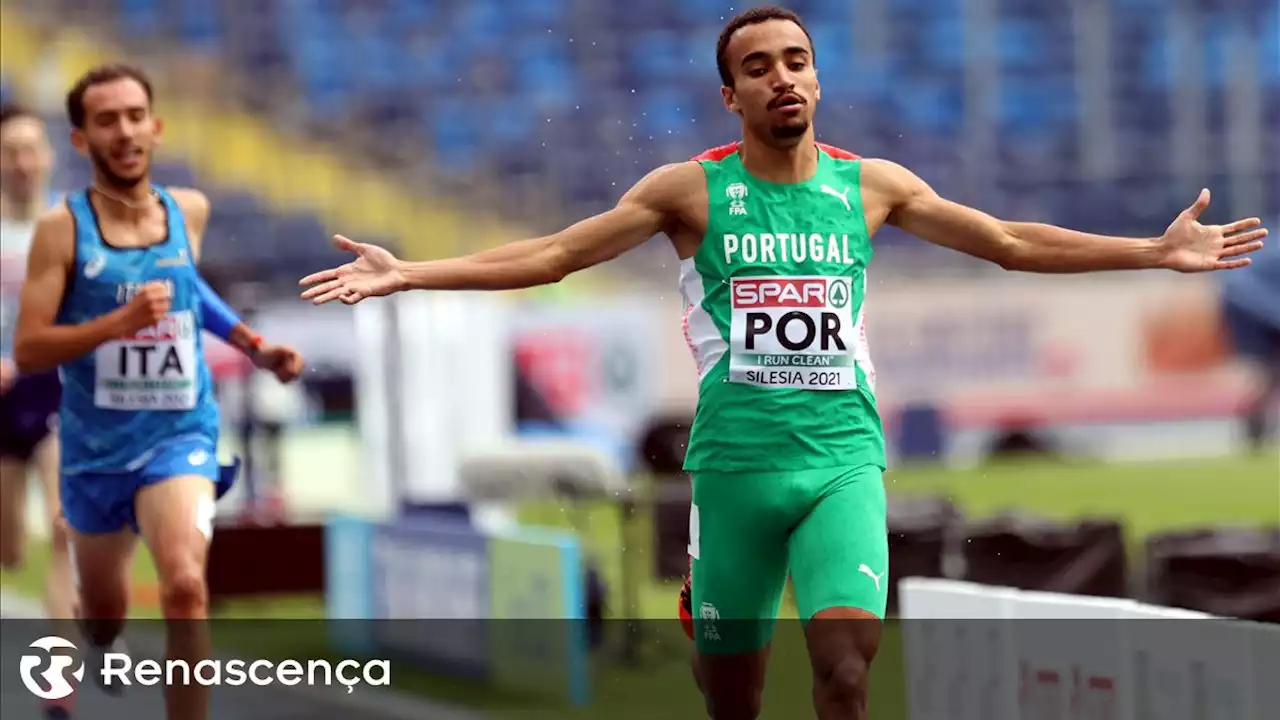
95,266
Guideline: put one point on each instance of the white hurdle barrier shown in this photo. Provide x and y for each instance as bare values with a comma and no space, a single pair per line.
975,651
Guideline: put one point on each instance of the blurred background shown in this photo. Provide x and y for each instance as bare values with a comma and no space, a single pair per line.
1076,434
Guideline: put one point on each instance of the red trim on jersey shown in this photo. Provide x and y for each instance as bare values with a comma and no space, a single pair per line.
836,152
717,154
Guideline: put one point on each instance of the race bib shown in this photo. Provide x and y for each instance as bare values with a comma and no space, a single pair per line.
153,370
793,332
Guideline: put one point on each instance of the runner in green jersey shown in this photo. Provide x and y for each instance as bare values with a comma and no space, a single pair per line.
787,451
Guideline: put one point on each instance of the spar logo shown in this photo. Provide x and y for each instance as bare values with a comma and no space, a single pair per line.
794,314
790,293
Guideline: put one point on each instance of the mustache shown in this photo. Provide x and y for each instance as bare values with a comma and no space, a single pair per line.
103,166
789,95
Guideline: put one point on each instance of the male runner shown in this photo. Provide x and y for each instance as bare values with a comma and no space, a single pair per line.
786,450
113,298
29,403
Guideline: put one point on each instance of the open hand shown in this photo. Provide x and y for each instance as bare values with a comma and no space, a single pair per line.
280,360
374,273
1191,247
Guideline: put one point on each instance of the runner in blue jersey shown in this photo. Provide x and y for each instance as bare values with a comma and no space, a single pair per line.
113,298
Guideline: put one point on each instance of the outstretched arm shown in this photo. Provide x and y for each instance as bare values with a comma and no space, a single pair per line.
641,213
1185,246
216,315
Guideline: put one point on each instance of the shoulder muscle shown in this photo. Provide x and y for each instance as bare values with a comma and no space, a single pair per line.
195,210
194,204
668,189
54,239
49,262
893,184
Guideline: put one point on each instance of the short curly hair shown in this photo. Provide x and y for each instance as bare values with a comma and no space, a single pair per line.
753,16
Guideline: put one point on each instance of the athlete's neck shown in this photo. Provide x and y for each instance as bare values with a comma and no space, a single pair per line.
130,204
795,164
22,210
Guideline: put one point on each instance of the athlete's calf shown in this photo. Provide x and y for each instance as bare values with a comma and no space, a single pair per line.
103,562
175,518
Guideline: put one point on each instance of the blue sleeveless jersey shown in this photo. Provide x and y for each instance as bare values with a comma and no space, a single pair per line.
131,394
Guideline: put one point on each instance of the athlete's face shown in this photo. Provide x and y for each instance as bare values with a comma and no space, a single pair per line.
119,132
775,84
25,159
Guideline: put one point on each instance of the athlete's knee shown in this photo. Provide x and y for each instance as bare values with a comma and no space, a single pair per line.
732,685
740,704
843,643
13,547
102,608
842,682
59,536
695,668
11,556
13,531
183,593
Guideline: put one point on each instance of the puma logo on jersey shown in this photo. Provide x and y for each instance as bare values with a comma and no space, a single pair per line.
871,574
841,196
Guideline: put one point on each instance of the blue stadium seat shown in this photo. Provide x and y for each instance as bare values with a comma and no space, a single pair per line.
927,105
454,137
700,12
170,174
658,56
538,13
380,65
664,111
833,45
1270,50
573,91
507,122
141,16
200,24
543,72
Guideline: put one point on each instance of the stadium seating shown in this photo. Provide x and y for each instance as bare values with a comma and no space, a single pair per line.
585,96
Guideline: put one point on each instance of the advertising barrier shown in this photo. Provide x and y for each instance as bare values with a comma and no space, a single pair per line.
976,651
502,607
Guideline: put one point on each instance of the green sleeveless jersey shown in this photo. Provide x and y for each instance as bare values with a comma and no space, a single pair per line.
775,318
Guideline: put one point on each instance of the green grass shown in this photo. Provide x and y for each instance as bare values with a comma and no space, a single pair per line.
1148,497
